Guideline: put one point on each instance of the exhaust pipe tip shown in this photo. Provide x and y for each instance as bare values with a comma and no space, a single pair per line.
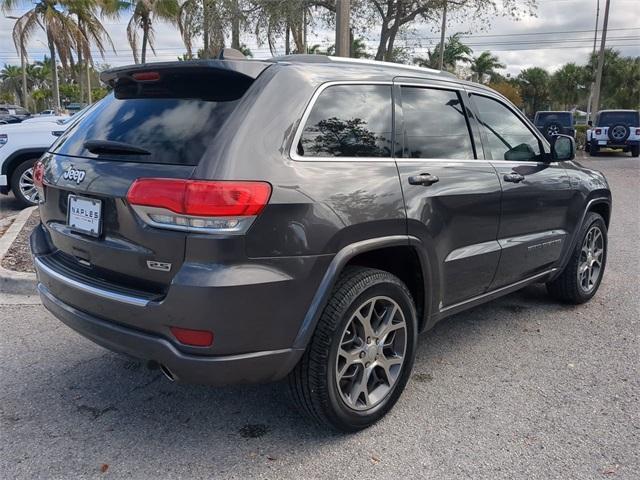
167,373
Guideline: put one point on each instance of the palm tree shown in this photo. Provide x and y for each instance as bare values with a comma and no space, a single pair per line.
91,32
61,31
39,73
11,76
144,13
485,64
454,52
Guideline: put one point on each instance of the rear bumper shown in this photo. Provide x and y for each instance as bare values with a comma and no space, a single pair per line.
254,309
606,143
256,367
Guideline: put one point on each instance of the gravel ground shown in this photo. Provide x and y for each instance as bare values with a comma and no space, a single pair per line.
18,257
518,388
8,206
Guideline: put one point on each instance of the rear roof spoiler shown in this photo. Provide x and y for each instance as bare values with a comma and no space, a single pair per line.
250,69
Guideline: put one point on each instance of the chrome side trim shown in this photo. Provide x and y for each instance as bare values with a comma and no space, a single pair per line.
473,250
498,290
99,292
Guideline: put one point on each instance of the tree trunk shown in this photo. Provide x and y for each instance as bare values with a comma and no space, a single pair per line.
145,40
54,73
235,26
206,22
25,93
88,82
80,66
384,36
287,47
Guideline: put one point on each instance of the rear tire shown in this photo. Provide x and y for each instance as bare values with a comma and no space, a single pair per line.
351,375
581,277
22,184
635,151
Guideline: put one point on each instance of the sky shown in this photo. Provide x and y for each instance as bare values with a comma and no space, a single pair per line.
562,31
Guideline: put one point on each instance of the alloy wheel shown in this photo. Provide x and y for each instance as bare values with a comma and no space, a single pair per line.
553,130
371,353
591,258
27,187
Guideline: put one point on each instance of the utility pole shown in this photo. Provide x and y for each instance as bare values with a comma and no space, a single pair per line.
343,8
442,32
596,94
593,54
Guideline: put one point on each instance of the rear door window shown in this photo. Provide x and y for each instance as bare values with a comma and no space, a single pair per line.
435,125
349,121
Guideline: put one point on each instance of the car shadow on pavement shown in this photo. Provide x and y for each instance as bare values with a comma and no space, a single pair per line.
119,401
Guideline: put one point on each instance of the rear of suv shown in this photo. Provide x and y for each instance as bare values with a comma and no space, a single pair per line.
617,129
304,218
555,123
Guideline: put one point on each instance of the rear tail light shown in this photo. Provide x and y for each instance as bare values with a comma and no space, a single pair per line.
38,179
598,131
637,131
199,205
195,338
4,138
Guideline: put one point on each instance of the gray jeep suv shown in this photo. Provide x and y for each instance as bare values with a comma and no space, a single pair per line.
304,218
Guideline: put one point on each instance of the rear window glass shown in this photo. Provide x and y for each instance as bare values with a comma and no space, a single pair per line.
349,121
563,118
171,121
435,124
626,118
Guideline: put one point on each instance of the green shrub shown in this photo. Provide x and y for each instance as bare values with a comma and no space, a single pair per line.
581,136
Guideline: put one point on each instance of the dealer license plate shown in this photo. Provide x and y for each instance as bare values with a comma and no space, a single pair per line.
85,215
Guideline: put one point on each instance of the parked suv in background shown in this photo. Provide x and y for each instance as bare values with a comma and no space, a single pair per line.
619,129
555,123
304,217
20,146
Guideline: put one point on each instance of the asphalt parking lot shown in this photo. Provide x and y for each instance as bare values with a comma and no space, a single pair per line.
518,388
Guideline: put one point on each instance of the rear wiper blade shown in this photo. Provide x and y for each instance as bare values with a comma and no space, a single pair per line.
109,146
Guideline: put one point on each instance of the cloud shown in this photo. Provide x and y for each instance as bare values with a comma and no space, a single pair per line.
518,45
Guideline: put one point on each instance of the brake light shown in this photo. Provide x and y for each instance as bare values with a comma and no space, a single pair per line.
637,131
195,338
146,76
199,205
598,131
38,174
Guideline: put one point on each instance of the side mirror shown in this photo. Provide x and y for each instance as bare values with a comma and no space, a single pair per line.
563,147
590,123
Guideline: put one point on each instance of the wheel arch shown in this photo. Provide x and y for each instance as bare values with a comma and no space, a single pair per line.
394,254
16,158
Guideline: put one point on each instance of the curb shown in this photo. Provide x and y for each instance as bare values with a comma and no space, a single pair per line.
17,283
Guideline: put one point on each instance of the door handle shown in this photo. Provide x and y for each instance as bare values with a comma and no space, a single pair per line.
423,179
513,177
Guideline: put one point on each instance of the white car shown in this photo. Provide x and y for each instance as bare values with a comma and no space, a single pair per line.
21,144
45,118
619,129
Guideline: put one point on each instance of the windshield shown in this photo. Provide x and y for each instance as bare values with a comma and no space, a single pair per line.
612,118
